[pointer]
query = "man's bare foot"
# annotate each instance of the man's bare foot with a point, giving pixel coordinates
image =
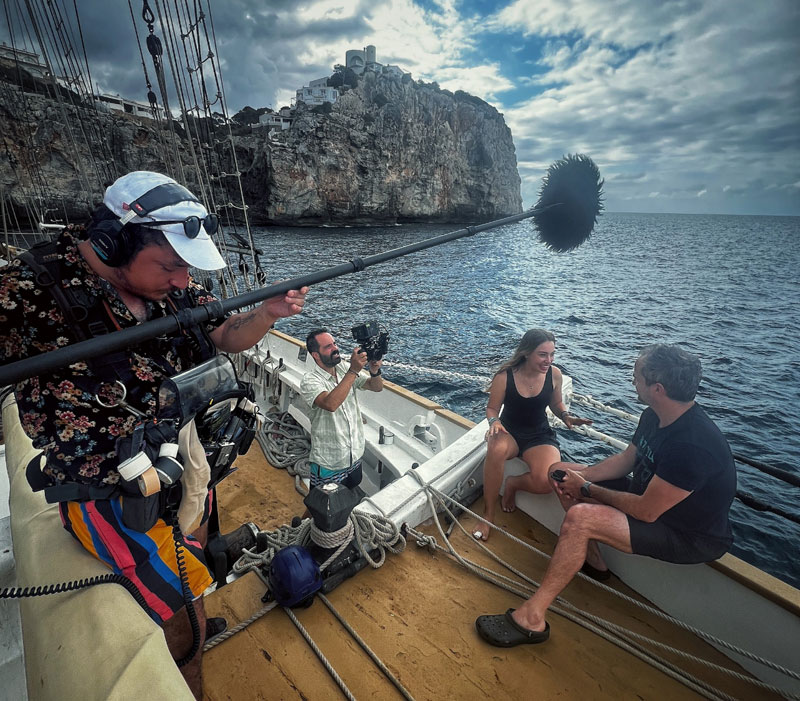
(481, 531)
(509, 496)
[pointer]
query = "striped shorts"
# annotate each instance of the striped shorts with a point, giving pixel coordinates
(349, 476)
(147, 559)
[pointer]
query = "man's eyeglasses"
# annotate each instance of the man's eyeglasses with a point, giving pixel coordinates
(191, 225)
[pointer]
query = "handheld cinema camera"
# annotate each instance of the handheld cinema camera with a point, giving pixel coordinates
(371, 340)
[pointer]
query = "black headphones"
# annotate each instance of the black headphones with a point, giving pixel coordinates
(109, 238)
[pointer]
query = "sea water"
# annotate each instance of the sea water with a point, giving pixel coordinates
(724, 287)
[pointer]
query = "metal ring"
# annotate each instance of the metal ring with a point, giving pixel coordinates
(116, 404)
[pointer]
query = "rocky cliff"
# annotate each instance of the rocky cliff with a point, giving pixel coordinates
(389, 150)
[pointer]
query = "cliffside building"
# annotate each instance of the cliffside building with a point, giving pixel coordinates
(361, 60)
(115, 103)
(317, 92)
(278, 121)
(27, 60)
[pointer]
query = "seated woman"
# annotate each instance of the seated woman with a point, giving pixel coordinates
(525, 386)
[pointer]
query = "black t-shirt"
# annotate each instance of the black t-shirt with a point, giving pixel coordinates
(692, 454)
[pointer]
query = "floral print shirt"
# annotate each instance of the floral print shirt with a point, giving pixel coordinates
(60, 410)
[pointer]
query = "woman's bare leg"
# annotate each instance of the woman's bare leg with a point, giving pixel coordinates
(501, 447)
(539, 458)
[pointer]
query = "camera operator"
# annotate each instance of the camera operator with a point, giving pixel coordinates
(337, 429)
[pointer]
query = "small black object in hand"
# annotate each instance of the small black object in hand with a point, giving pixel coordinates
(558, 475)
(371, 340)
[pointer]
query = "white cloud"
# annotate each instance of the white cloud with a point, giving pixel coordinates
(672, 89)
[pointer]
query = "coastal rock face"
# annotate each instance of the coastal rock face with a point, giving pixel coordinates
(389, 150)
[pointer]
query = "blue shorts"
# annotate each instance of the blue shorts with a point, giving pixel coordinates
(349, 477)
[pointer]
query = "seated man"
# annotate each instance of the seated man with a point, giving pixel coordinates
(675, 507)
(337, 430)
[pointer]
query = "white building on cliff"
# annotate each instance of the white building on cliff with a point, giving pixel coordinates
(316, 92)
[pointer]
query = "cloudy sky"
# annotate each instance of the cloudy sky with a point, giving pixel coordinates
(686, 105)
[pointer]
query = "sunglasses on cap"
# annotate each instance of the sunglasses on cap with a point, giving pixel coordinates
(191, 225)
(165, 195)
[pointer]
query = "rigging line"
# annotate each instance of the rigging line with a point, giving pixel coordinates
(26, 31)
(758, 505)
(203, 126)
(156, 53)
(32, 167)
(199, 125)
(57, 91)
(224, 105)
(202, 163)
(564, 608)
(73, 77)
(339, 681)
(151, 97)
(24, 102)
(63, 30)
(99, 137)
(497, 580)
(378, 662)
(599, 629)
(218, 144)
(61, 50)
(168, 32)
(587, 400)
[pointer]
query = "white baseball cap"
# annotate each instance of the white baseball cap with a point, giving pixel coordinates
(144, 197)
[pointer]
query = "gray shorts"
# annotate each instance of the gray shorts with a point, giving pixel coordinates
(664, 543)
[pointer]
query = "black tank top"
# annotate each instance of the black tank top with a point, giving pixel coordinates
(526, 413)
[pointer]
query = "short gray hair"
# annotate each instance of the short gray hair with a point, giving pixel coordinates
(678, 371)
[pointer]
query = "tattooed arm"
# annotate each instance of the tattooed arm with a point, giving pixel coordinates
(242, 331)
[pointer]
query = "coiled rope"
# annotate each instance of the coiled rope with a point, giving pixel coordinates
(286, 445)
(369, 532)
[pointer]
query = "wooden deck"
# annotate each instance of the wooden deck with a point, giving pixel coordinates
(417, 613)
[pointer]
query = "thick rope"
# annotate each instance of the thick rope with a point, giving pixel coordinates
(222, 637)
(319, 654)
(378, 662)
(369, 531)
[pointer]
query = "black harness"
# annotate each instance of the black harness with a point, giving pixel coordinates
(88, 317)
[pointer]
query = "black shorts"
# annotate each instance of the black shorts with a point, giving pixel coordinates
(529, 438)
(661, 542)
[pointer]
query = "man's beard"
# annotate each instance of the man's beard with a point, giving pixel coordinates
(331, 360)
